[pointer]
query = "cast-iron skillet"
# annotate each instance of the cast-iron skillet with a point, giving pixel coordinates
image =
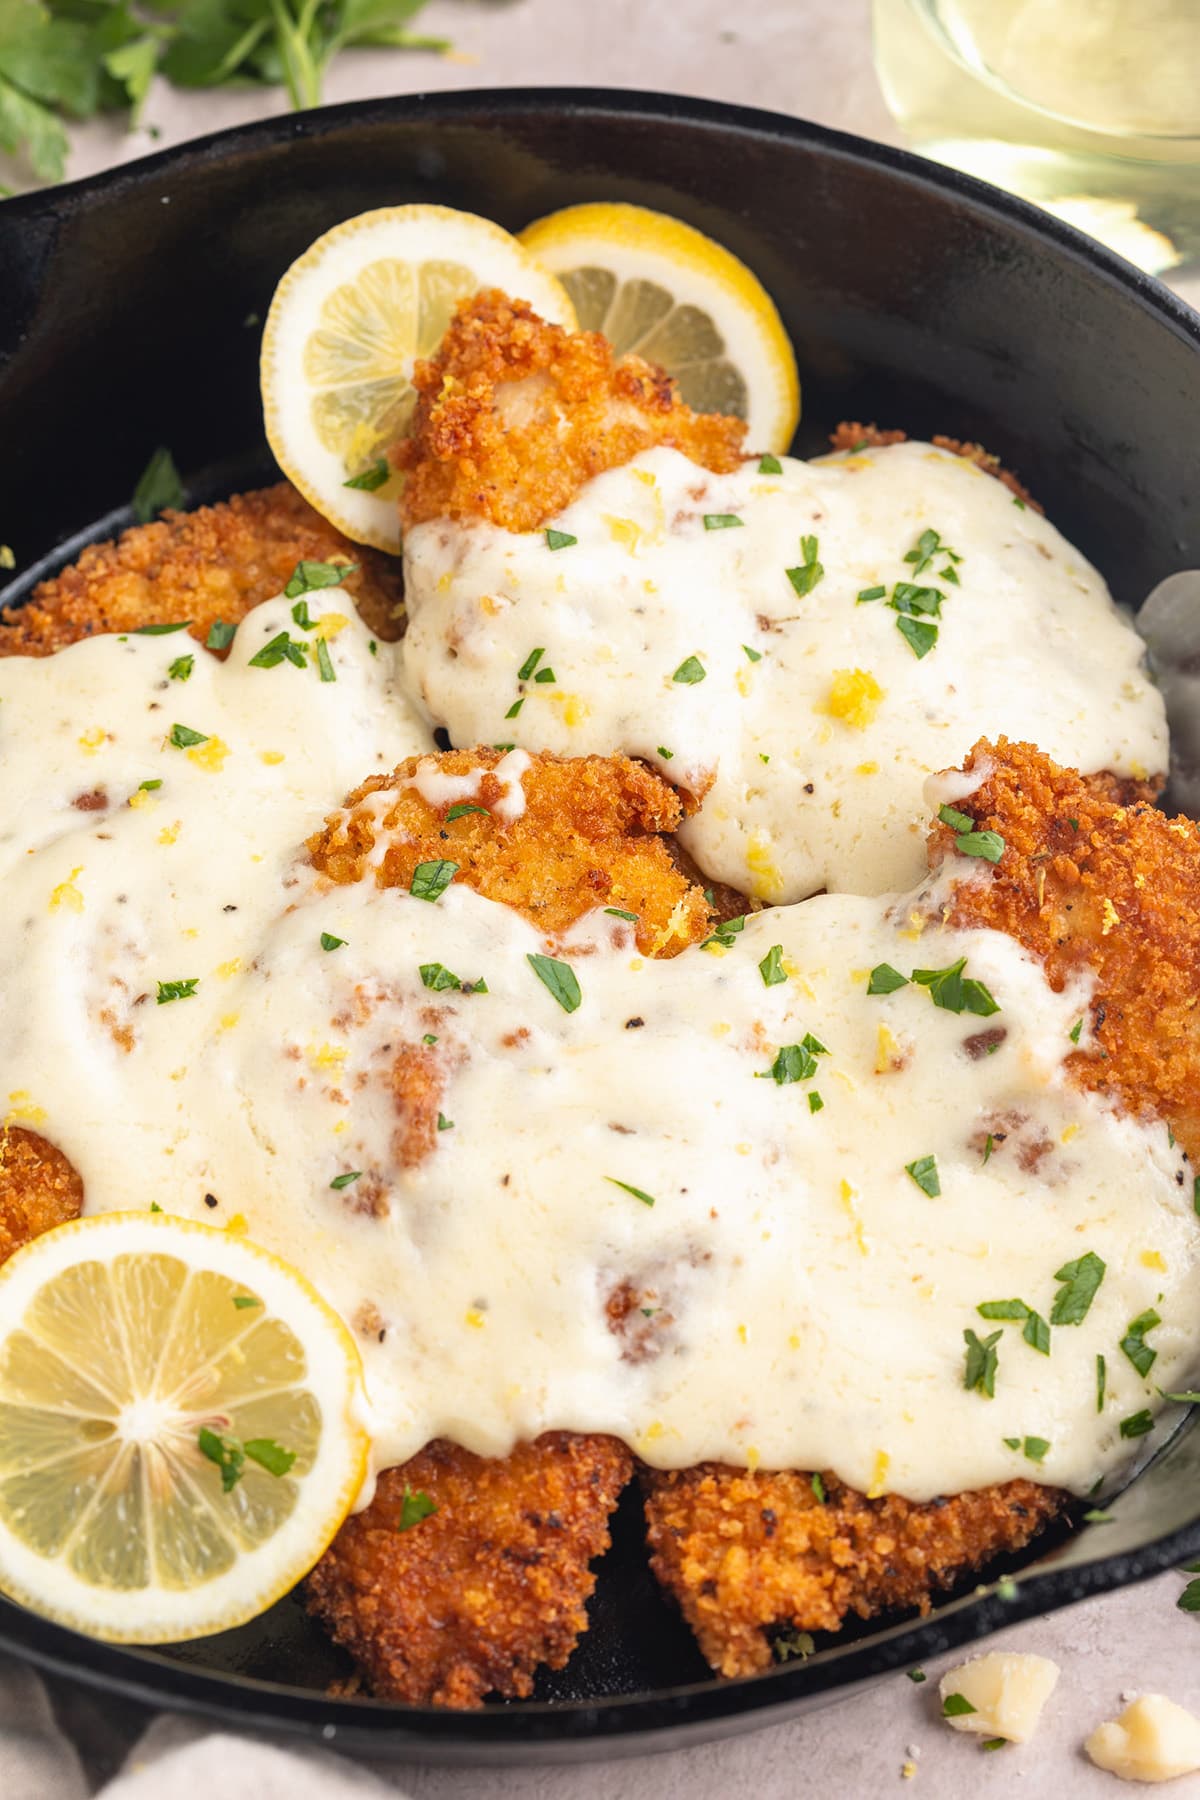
(914, 296)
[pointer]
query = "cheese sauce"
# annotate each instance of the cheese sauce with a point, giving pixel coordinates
(733, 1205)
(720, 627)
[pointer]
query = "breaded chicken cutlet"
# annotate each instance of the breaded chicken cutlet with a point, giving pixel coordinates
(514, 415)
(1088, 882)
(207, 566)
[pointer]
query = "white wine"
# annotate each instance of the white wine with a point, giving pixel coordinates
(1091, 108)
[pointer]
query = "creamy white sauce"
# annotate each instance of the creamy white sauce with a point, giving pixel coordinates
(817, 751)
(792, 1298)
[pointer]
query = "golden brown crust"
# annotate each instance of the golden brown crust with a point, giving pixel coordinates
(515, 415)
(214, 563)
(39, 1188)
(474, 1598)
(851, 435)
(1093, 881)
(585, 839)
(748, 1556)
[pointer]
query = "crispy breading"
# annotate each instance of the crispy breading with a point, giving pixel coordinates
(515, 415)
(750, 1556)
(586, 838)
(208, 565)
(1089, 883)
(851, 435)
(476, 1596)
(39, 1188)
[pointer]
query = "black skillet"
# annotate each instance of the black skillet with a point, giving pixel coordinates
(914, 297)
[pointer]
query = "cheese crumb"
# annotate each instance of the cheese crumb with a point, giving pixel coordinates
(854, 697)
(1007, 1691)
(1153, 1740)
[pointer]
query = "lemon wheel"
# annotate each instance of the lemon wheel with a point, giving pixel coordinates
(179, 1427)
(347, 323)
(655, 286)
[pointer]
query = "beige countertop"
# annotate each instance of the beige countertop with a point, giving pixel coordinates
(809, 57)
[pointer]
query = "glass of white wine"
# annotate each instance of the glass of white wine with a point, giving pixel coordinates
(1090, 108)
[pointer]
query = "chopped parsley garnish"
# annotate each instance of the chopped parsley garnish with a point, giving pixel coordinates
(668, 755)
(1075, 1030)
(269, 1455)
(988, 844)
(220, 635)
(1081, 1278)
(280, 649)
(618, 912)
(559, 978)
(559, 540)
(955, 1706)
(957, 821)
(181, 668)
(925, 1173)
(1097, 1516)
(815, 1102)
(1189, 1600)
(1137, 1424)
(461, 808)
(438, 977)
(949, 990)
(689, 672)
(413, 1508)
(771, 967)
(329, 942)
(996, 1743)
(725, 932)
(302, 617)
(177, 990)
(370, 479)
(343, 1181)
(160, 630)
(530, 664)
(545, 676)
(325, 662)
(1101, 1382)
(242, 1301)
(754, 655)
(818, 1488)
(919, 634)
(148, 787)
(158, 488)
(515, 709)
(806, 575)
(1036, 1448)
(183, 737)
(637, 1192)
(311, 577)
(917, 1675)
(870, 593)
(794, 1062)
(721, 521)
(988, 1146)
(770, 465)
(445, 1124)
(885, 980)
(1134, 1342)
(981, 1362)
(227, 1453)
(929, 545)
(429, 1038)
(431, 879)
(1189, 1397)
(1036, 1332)
(793, 1643)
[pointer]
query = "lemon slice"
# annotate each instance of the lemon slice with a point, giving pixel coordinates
(347, 322)
(655, 286)
(179, 1438)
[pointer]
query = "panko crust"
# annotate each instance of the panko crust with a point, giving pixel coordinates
(749, 1556)
(39, 1188)
(1090, 882)
(208, 565)
(475, 1597)
(514, 415)
(851, 435)
(586, 839)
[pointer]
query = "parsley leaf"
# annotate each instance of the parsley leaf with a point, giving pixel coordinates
(329, 942)
(311, 577)
(1081, 1279)
(227, 1453)
(955, 1706)
(461, 808)
(158, 488)
(343, 1181)
(1134, 1342)
(559, 978)
(770, 465)
(181, 668)
(981, 1362)
(413, 1508)
(885, 980)
(177, 990)
(220, 635)
(371, 478)
(689, 672)
(925, 1173)
(721, 521)
(269, 1455)
(638, 1193)
(1137, 1424)
(431, 879)
(280, 648)
(559, 540)
(771, 967)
